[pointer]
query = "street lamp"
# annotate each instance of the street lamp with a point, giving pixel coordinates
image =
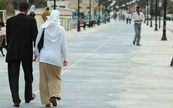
(137, 1)
(78, 27)
(90, 14)
(105, 12)
(106, 6)
(147, 13)
(160, 8)
(54, 4)
(99, 13)
(156, 17)
(164, 22)
(151, 12)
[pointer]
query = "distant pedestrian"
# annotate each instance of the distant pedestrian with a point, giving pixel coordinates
(31, 11)
(138, 18)
(120, 17)
(130, 18)
(2, 37)
(21, 33)
(2, 32)
(127, 18)
(45, 14)
(52, 55)
(123, 17)
(115, 16)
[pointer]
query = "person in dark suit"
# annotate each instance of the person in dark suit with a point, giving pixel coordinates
(21, 32)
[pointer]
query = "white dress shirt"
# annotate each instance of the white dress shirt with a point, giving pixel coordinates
(127, 15)
(53, 53)
(130, 16)
(138, 17)
(3, 31)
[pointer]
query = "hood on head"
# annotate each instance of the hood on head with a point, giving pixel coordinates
(52, 26)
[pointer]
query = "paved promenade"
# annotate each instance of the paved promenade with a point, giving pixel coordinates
(107, 71)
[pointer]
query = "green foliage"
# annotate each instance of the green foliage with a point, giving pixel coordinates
(170, 7)
(106, 3)
(2, 4)
(95, 11)
(40, 3)
(37, 3)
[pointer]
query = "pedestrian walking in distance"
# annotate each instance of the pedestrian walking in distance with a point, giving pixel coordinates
(138, 18)
(2, 37)
(45, 14)
(127, 18)
(21, 32)
(52, 55)
(31, 11)
(130, 18)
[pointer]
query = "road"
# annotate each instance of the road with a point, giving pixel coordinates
(107, 71)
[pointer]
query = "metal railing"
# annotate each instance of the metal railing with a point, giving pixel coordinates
(66, 23)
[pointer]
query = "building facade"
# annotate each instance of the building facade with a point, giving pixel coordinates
(73, 4)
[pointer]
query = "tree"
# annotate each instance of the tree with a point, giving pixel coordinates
(170, 7)
(2, 4)
(31, 1)
(37, 3)
(5, 6)
(106, 4)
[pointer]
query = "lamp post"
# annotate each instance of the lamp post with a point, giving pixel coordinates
(106, 6)
(164, 23)
(156, 17)
(151, 12)
(105, 12)
(54, 4)
(90, 10)
(139, 3)
(171, 62)
(160, 8)
(147, 13)
(78, 27)
(99, 13)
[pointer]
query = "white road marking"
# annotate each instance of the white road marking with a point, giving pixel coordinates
(80, 60)
(87, 55)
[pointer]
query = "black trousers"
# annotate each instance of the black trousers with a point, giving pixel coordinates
(13, 74)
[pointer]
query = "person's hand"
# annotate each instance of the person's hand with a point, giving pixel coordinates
(35, 57)
(65, 63)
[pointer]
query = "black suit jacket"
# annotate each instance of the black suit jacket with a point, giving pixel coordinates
(21, 32)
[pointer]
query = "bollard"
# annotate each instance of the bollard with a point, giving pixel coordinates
(171, 62)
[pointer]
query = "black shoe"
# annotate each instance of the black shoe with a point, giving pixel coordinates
(33, 97)
(48, 105)
(133, 43)
(53, 101)
(16, 105)
(138, 44)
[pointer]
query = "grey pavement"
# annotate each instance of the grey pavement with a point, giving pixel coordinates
(170, 26)
(107, 71)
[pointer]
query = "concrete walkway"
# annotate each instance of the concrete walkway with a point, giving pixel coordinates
(107, 71)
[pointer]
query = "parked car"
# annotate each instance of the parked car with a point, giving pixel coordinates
(169, 17)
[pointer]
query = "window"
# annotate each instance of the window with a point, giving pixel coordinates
(61, 6)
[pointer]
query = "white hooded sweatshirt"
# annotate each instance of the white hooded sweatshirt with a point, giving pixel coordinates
(54, 50)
